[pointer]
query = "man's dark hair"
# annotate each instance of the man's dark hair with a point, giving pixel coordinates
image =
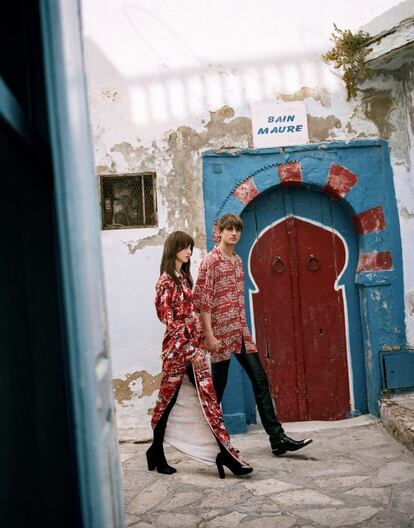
(228, 221)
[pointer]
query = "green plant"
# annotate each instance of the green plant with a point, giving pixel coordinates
(349, 54)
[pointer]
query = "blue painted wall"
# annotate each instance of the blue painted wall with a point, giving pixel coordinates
(381, 293)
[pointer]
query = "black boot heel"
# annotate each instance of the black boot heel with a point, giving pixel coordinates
(219, 465)
(156, 460)
(150, 462)
(225, 459)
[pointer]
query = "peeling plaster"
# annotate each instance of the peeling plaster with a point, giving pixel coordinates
(391, 348)
(183, 190)
(383, 106)
(110, 94)
(106, 169)
(178, 168)
(130, 157)
(319, 94)
(154, 240)
(377, 106)
(320, 127)
(350, 129)
(124, 392)
(134, 156)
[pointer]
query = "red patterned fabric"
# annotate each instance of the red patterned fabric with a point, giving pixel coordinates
(183, 335)
(219, 290)
(181, 342)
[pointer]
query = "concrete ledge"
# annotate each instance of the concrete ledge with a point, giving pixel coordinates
(397, 416)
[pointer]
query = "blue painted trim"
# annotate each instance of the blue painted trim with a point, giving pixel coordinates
(375, 241)
(283, 151)
(373, 278)
(81, 264)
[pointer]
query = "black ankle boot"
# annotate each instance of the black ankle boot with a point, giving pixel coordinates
(225, 459)
(156, 460)
(284, 444)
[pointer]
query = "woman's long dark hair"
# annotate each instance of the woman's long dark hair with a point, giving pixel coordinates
(175, 243)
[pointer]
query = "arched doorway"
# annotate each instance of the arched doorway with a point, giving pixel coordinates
(355, 178)
(301, 268)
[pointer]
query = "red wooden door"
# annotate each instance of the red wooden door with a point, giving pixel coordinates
(299, 319)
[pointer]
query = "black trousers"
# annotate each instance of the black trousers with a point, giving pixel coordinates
(253, 368)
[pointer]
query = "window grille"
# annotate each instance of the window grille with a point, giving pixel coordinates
(128, 200)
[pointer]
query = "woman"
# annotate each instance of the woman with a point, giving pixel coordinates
(186, 389)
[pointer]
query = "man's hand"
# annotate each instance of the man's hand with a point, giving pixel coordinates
(212, 344)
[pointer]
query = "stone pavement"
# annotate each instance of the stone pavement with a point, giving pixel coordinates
(354, 474)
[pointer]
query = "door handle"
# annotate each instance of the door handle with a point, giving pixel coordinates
(313, 263)
(278, 265)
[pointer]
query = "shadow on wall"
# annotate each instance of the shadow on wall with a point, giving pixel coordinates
(184, 93)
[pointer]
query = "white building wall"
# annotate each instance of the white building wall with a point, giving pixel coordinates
(170, 80)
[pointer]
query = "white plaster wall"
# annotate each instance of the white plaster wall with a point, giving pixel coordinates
(404, 183)
(153, 67)
(133, 324)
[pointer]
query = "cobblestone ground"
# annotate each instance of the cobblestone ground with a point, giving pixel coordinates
(350, 476)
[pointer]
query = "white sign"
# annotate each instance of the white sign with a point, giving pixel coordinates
(279, 124)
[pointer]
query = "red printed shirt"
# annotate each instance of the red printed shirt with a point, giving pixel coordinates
(219, 290)
(175, 309)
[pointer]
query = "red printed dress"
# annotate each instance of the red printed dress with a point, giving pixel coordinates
(219, 290)
(195, 414)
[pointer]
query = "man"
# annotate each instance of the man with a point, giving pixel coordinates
(219, 297)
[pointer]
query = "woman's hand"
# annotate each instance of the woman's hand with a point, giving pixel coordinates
(212, 344)
(199, 361)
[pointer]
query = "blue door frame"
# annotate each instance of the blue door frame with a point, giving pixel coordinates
(97, 457)
(357, 174)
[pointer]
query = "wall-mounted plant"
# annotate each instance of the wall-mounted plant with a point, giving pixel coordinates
(348, 54)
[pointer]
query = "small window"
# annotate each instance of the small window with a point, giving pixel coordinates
(128, 200)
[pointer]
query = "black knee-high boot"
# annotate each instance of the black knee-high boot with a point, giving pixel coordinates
(155, 454)
(223, 457)
(253, 367)
(279, 441)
